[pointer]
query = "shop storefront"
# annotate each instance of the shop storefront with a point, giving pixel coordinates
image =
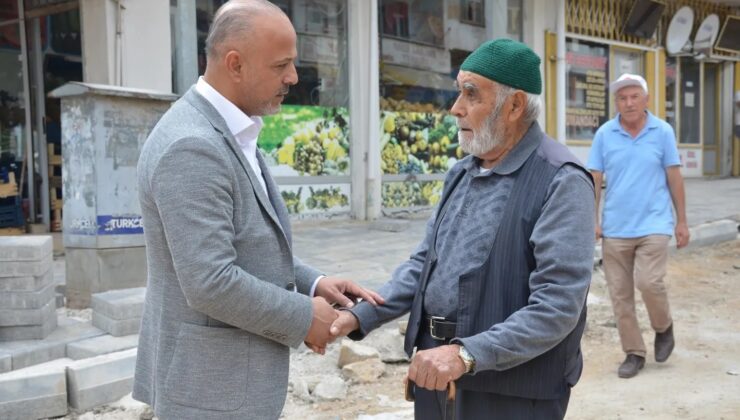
(366, 132)
(691, 87)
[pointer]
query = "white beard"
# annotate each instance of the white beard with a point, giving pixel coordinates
(487, 137)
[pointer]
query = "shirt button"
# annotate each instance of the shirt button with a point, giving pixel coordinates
(290, 286)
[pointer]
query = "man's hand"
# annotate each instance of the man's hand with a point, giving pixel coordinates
(345, 292)
(682, 235)
(344, 324)
(318, 334)
(433, 369)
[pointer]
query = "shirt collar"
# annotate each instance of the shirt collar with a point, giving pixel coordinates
(236, 120)
(516, 156)
(650, 123)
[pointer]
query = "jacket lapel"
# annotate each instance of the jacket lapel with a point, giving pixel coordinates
(218, 123)
(275, 197)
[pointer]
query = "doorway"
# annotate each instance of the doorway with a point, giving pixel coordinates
(40, 50)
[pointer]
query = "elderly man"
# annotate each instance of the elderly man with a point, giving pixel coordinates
(497, 288)
(221, 308)
(638, 154)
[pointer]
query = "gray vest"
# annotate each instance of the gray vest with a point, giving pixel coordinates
(500, 287)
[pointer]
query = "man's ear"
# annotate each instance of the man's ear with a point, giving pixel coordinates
(233, 61)
(517, 105)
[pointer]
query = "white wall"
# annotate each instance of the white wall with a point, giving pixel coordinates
(140, 57)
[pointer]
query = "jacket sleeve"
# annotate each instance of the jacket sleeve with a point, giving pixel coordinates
(563, 242)
(192, 187)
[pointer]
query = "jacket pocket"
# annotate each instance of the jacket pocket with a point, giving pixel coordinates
(209, 368)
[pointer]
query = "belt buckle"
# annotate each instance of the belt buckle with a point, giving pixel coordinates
(432, 319)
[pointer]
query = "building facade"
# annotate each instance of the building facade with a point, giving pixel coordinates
(366, 131)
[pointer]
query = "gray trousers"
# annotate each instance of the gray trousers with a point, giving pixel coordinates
(472, 405)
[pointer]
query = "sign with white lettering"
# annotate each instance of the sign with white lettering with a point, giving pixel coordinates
(120, 225)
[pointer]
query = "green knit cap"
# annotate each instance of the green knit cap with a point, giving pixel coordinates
(508, 62)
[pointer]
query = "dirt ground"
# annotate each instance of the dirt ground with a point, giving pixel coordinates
(700, 380)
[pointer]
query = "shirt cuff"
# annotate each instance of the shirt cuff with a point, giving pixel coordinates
(313, 287)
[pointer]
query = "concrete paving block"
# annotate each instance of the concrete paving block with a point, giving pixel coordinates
(34, 393)
(24, 317)
(116, 327)
(120, 304)
(6, 362)
(103, 344)
(99, 380)
(29, 332)
(26, 283)
(25, 248)
(26, 268)
(32, 352)
(27, 299)
(711, 233)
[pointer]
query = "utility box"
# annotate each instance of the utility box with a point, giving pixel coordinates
(103, 131)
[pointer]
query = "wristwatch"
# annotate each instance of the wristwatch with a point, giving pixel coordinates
(467, 359)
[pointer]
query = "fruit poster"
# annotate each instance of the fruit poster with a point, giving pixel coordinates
(306, 140)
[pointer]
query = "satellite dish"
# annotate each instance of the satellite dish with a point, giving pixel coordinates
(706, 35)
(679, 31)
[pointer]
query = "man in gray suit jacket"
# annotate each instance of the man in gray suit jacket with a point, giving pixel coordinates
(496, 290)
(221, 308)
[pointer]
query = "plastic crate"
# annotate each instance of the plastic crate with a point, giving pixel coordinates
(11, 213)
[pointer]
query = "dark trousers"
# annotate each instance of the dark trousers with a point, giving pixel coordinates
(472, 405)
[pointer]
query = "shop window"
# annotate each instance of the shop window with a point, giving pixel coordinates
(514, 19)
(587, 93)
(689, 96)
(472, 11)
(308, 140)
(418, 21)
(395, 19)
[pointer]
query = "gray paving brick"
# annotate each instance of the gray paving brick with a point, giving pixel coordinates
(25, 248)
(29, 332)
(99, 380)
(26, 268)
(6, 362)
(103, 344)
(25, 317)
(27, 300)
(116, 327)
(32, 352)
(36, 392)
(26, 283)
(120, 304)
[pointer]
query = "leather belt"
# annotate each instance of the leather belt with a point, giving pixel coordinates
(440, 329)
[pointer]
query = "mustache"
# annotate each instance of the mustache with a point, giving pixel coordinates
(284, 91)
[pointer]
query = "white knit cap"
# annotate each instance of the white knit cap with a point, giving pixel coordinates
(628, 79)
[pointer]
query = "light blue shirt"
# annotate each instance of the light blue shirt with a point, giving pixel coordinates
(637, 201)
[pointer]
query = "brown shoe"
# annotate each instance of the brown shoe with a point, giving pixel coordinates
(631, 365)
(664, 344)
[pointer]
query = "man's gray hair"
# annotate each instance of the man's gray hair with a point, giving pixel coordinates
(234, 20)
(532, 109)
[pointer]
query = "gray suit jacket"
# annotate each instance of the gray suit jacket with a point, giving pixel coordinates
(220, 309)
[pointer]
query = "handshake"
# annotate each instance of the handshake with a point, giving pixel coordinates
(329, 323)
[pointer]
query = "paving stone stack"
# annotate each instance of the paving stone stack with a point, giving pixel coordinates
(118, 312)
(27, 295)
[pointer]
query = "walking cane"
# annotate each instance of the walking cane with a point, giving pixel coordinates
(449, 401)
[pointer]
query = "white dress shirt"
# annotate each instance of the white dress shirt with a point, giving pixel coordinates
(244, 128)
